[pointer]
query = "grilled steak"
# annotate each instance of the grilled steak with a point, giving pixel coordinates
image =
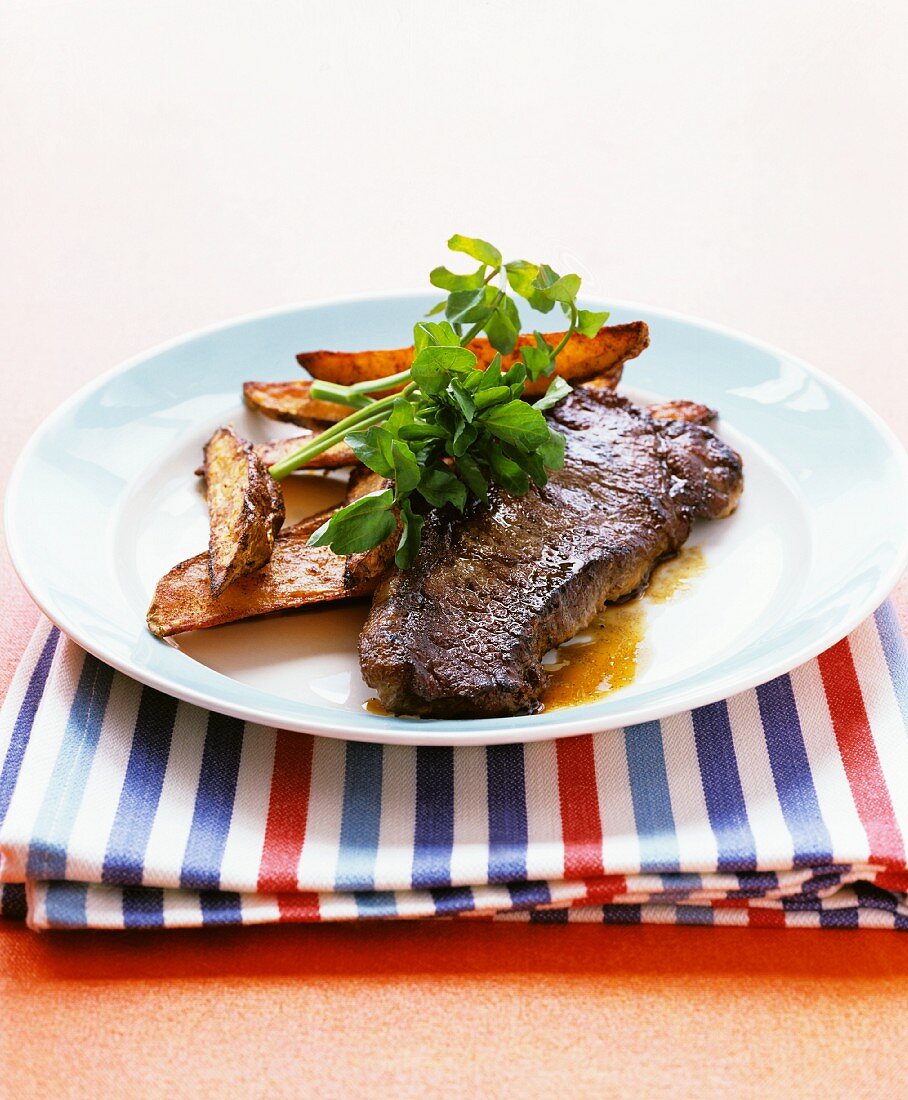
(461, 633)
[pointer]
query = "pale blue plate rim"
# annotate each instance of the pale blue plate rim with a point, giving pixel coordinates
(173, 672)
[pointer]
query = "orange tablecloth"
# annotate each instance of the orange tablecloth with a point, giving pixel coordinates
(400, 1009)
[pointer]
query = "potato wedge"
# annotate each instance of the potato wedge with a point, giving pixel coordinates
(348, 367)
(363, 481)
(277, 449)
(583, 357)
(333, 459)
(290, 402)
(296, 576)
(601, 355)
(245, 509)
(305, 527)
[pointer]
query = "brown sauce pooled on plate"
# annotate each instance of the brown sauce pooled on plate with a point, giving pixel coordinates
(603, 657)
(673, 577)
(374, 706)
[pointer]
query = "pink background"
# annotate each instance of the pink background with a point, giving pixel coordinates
(168, 165)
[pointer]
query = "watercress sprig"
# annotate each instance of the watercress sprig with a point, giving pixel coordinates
(453, 428)
(473, 300)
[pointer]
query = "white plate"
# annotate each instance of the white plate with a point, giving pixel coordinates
(103, 500)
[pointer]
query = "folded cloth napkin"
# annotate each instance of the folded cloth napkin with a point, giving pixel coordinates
(783, 806)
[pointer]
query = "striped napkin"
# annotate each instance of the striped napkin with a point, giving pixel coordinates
(783, 806)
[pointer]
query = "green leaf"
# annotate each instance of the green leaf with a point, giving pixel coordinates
(456, 359)
(461, 399)
(532, 464)
(537, 360)
(564, 289)
(501, 332)
(437, 308)
(402, 412)
(537, 471)
(589, 323)
(467, 306)
(464, 437)
(520, 275)
(421, 338)
(491, 376)
(510, 307)
(410, 538)
(540, 302)
(517, 423)
(501, 328)
(557, 391)
(445, 417)
(493, 395)
(360, 526)
(552, 452)
(433, 366)
(546, 277)
(445, 335)
(430, 333)
(406, 470)
(428, 375)
(539, 299)
(516, 377)
(419, 431)
(373, 448)
(450, 280)
(480, 250)
(506, 472)
(469, 471)
(439, 486)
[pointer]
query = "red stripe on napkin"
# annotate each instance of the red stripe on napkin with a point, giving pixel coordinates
(288, 810)
(766, 918)
(299, 907)
(581, 826)
(859, 755)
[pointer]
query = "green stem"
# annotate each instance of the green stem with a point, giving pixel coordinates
(376, 385)
(570, 332)
(364, 418)
(338, 395)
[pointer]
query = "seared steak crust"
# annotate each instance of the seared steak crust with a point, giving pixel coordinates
(462, 632)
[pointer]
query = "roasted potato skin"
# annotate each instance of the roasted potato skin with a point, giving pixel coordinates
(335, 458)
(297, 575)
(347, 367)
(245, 509)
(291, 403)
(582, 358)
(363, 481)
